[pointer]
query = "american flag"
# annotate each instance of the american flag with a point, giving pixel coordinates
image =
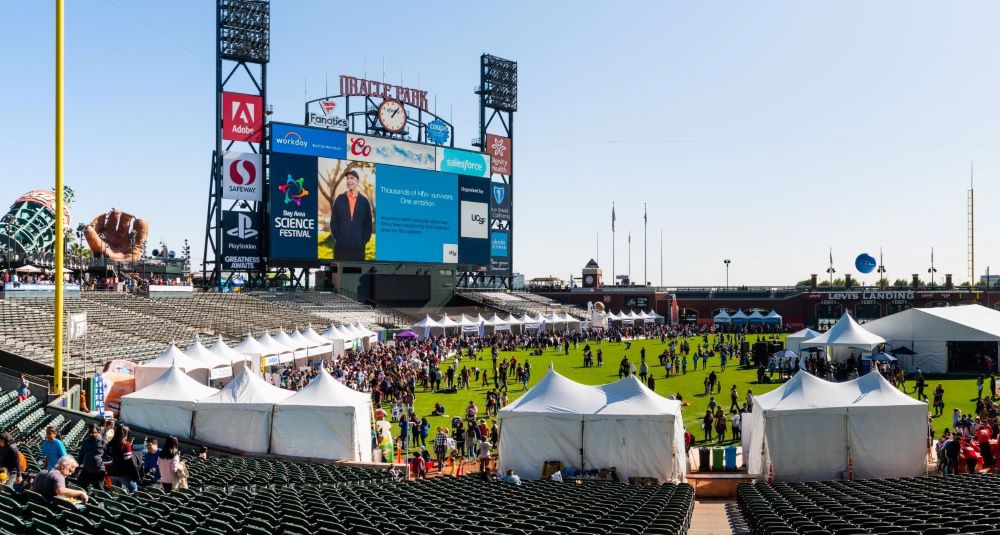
(645, 215)
(613, 217)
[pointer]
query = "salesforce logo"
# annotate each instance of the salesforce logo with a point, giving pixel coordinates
(462, 162)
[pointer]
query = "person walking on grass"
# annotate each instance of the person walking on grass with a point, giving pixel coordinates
(720, 424)
(706, 424)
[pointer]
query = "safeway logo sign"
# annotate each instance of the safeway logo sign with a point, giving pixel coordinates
(242, 174)
(499, 149)
(242, 117)
(244, 228)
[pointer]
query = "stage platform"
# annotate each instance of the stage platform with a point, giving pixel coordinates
(717, 485)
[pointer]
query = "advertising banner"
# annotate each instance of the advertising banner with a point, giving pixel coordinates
(293, 205)
(241, 241)
(242, 117)
(500, 151)
(242, 176)
(297, 139)
(326, 114)
(417, 216)
(473, 217)
(500, 202)
(463, 162)
(500, 252)
(390, 152)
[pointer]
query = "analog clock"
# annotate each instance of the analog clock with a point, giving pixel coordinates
(589, 279)
(392, 115)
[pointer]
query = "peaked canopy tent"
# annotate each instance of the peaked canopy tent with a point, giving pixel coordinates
(498, 324)
(773, 318)
(314, 349)
(529, 323)
(945, 339)
(239, 415)
(739, 317)
(468, 324)
(756, 318)
(250, 347)
(324, 420)
(809, 429)
(845, 337)
(237, 360)
(572, 323)
(621, 424)
(299, 350)
(722, 318)
(218, 368)
(148, 372)
(794, 341)
(658, 318)
(166, 405)
(283, 352)
(425, 325)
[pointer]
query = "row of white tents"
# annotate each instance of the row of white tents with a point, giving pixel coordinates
(755, 317)
(324, 420)
(633, 316)
(220, 362)
(480, 325)
(622, 424)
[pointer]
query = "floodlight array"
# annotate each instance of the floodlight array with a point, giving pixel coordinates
(246, 30)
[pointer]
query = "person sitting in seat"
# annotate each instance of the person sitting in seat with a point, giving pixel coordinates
(511, 478)
(52, 483)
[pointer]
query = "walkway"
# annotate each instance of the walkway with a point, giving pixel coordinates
(716, 517)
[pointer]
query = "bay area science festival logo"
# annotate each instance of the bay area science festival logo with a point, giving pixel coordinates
(294, 190)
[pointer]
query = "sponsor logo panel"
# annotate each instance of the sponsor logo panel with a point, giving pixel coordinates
(242, 117)
(242, 176)
(463, 162)
(390, 152)
(500, 151)
(320, 142)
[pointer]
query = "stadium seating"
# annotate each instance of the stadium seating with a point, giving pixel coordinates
(129, 327)
(446, 506)
(518, 303)
(930, 505)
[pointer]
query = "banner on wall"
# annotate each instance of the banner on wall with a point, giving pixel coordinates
(380, 150)
(463, 162)
(417, 216)
(293, 204)
(474, 219)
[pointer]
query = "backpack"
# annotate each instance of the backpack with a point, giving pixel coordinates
(22, 462)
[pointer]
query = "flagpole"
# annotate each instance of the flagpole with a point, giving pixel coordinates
(613, 279)
(661, 257)
(645, 224)
(630, 257)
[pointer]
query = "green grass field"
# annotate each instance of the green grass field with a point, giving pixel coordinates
(959, 392)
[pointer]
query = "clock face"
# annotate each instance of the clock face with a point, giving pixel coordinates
(589, 279)
(392, 115)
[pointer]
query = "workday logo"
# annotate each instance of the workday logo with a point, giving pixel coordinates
(294, 190)
(291, 138)
(244, 228)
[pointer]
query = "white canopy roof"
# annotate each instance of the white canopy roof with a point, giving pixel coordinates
(223, 351)
(622, 424)
(755, 315)
(166, 405)
(552, 317)
(363, 330)
(511, 320)
(428, 321)
(314, 336)
(312, 346)
(448, 322)
(325, 420)
(201, 354)
(250, 346)
(654, 314)
(722, 317)
(239, 415)
(739, 315)
(147, 372)
(275, 347)
(527, 320)
(282, 337)
(773, 315)
(480, 320)
(335, 333)
(927, 332)
(497, 320)
(466, 321)
(846, 333)
(809, 428)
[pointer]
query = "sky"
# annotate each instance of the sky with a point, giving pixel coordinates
(764, 132)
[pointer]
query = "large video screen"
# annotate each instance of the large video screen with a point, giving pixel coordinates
(336, 196)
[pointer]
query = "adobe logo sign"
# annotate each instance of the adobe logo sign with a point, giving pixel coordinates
(499, 149)
(242, 176)
(242, 117)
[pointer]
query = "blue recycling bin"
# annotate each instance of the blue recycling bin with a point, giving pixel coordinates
(730, 454)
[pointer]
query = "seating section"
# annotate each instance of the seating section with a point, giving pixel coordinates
(129, 327)
(518, 303)
(446, 506)
(230, 471)
(335, 307)
(930, 505)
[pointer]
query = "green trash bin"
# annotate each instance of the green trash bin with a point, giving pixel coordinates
(718, 459)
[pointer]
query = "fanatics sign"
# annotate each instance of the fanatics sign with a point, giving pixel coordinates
(242, 117)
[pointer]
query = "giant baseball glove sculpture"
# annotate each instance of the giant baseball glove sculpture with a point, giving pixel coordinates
(117, 235)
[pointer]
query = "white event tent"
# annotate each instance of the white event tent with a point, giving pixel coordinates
(794, 340)
(844, 338)
(239, 415)
(314, 348)
(299, 350)
(324, 420)
(148, 372)
(253, 349)
(933, 332)
(809, 429)
(426, 324)
(621, 424)
(275, 347)
(722, 317)
(238, 360)
(218, 368)
(166, 405)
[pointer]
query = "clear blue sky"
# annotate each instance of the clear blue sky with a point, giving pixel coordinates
(765, 132)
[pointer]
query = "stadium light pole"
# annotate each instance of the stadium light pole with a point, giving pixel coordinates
(727, 262)
(57, 346)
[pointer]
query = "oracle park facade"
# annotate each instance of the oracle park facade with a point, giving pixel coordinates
(814, 306)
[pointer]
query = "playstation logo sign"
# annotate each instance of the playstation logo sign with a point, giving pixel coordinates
(244, 228)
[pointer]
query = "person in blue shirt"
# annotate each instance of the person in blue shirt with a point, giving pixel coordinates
(52, 448)
(149, 465)
(511, 478)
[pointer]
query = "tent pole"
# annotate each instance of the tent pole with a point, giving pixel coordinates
(583, 465)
